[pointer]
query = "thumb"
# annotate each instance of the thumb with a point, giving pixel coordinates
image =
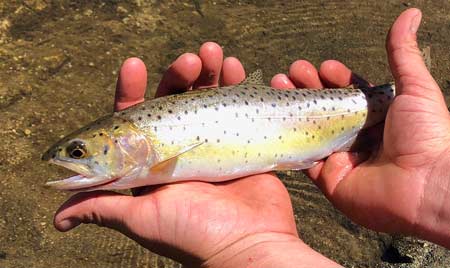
(405, 58)
(99, 207)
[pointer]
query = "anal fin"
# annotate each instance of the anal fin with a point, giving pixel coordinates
(294, 165)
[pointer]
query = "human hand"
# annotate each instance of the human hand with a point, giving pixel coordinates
(247, 222)
(404, 186)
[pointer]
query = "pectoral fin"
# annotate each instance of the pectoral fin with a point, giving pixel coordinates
(168, 162)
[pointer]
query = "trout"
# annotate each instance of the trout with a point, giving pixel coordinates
(217, 135)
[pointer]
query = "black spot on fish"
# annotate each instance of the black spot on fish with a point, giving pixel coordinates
(274, 105)
(159, 117)
(315, 101)
(206, 140)
(101, 134)
(306, 133)
(93, 136)
(160, 108)
(170, 111)
(342, 128)
(149, 115)
(246, 102)
(178, 117)
(205, 106)
(116, 141)
(96, 162)
(116, 127)
(279, 137)
(105, 149)
(198, 138)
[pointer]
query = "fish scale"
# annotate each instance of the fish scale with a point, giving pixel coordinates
(229, 132)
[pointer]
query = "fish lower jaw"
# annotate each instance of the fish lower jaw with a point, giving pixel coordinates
(80, 183)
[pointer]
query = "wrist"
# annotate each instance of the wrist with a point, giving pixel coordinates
(433, 218)
(269, 250)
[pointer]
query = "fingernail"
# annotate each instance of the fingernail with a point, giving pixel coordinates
(66, 225)
(415, 22)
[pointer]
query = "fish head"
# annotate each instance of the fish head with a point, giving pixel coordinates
(101, 153)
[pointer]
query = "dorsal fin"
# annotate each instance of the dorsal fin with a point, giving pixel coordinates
(255, 78)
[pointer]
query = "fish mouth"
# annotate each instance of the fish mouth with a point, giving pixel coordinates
(80, 183)
(85, 181)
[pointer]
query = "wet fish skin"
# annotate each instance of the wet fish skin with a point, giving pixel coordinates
(222, 134)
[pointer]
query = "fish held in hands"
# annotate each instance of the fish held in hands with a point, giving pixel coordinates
(217, 135)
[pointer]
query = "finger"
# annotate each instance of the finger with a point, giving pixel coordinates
(100, 207)
(328, 174)
(405, 59)
(335, 74)
(180, 75)
(211, 55)
(304, 75)
(131, 84)
(281, 81)
(232, 72)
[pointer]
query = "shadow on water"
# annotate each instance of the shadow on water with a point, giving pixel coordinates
(58, 65)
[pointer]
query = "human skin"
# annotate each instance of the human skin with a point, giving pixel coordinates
(249, 222)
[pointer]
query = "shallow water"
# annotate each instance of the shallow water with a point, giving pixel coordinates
(58, 65)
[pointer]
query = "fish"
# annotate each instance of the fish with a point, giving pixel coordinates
(216, 135)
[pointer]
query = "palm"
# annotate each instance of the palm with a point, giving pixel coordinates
(397, 173)
(209, 217)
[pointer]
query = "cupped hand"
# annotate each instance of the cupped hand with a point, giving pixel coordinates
(193, 222)
(404, 186)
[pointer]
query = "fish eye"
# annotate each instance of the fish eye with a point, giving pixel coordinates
(77, 150)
